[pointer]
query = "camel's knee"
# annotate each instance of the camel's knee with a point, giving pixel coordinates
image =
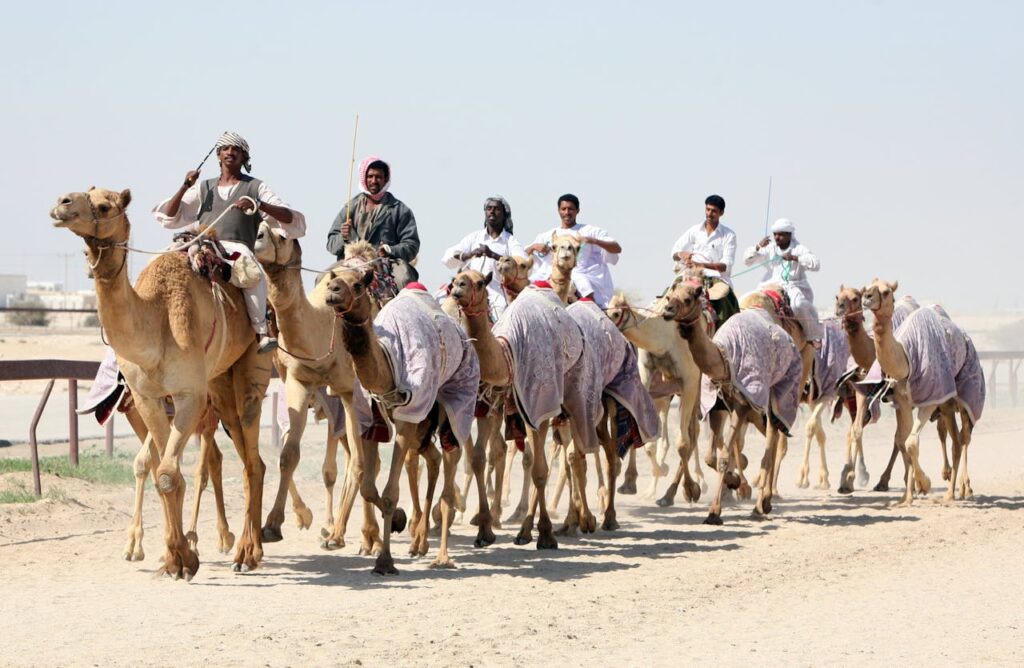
(140, 467)
(289, 458)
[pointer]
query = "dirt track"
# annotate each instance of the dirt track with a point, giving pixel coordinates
(828, 579)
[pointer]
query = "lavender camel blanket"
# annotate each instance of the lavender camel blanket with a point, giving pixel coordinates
(432, 361)
(943, 362)
(832, 360)
(764, 363)
(546, 346)
(617, 373)
(900, 311)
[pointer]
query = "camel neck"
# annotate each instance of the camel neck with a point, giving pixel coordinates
(706, 354)
(861, 347)
(300, 321)
(122, 313)
(891, 356)
(561, 280)
(368, 359)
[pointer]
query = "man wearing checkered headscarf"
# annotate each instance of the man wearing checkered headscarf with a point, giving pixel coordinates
(225, 200)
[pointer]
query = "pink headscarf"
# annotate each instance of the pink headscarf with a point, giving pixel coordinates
(363, 166)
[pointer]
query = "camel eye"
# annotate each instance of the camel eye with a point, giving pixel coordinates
(103, 208)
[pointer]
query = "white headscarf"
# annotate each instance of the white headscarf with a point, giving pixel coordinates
(783, 225)
(236, 140)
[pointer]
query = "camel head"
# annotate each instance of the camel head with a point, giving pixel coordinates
(848, 304)
(515, 270)
(348, 292)
(273, 250)
(683, 302)
(620, 311)
(469, 290)
(96, 214)
(774, 301)
(880, 297)
(360, 250)
(566, 249)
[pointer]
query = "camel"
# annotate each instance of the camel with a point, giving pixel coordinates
(765, 393)
(935, 368)
(469, 292)
(862, 350)
(312, 356)
(198, 342)
(565, 249)
(669, 355)
(415, 400)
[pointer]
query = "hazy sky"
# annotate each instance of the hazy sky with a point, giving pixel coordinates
(892, 130)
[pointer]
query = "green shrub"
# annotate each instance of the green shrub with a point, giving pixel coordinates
(28, 318)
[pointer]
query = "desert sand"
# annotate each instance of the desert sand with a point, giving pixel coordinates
(847, 580)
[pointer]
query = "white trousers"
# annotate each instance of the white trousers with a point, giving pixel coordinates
(802, 302)
(256, 296)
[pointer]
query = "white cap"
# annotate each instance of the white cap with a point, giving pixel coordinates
(783, 225)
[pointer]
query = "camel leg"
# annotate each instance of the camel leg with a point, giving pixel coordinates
(539, 476)
(764, 500)
(966, 429)
(180, 561)
(883, 482)
(698, 475)
(329, 473)
(557, 453)
(482, 519)
(948, 420)
(803, 477)
(468, 474)
(721, 463)
(412, 473)
(506, 491)
(854, 446)
(354, 451)
(587, 523)
(602, 489)
(447, 503)
(912, 448)
(141, 466)
(202, 476)
(215, 466)
(394, 518)
(298, 395)
(497, 452)
(521, 510)
(611, 456)
(940, 427)
(420, 545)
(631, 474)
(781, 448)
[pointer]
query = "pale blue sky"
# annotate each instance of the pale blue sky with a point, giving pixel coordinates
(891, 129)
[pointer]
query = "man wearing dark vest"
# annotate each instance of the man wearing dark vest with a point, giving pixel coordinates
(200, 204)
(379, 217)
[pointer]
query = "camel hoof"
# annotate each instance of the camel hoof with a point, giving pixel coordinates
(325, 532)
(227, 542)
(882, 486)
(331, 544)
(304, 518)
(665, 501)
(588, 523)
(757, 515)
(926, 484)
(523, 538)
(691, 492)
(714, 519)
(609, 524)
(547, 542)
(627, 487)
(442, 564)
(272, 534)
(802, 483)
(822, 485)
(398, 521)
(732, 479)
(385, 566)
(946, 472)
(844, 489)
(766, 506)
(744, 492)
(484, 537)
(188, 575)
(862, 477)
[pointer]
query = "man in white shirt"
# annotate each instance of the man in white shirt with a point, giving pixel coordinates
(591, 275)
(481, 250)
(787, 262)
(200, 203)
(711, 246)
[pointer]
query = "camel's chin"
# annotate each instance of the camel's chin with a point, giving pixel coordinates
(62, 219)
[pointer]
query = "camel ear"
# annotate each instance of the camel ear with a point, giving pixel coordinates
(554, 237)
(841, 287)
(91, 188)
(126, 197)
(529, 262)
(367, 278)
(895, 284)
(488, 277)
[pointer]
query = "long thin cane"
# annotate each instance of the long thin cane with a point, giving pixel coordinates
(351, 171)
(767, 210)
(207, 157)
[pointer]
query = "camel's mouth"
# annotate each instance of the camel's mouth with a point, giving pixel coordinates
(62, 216)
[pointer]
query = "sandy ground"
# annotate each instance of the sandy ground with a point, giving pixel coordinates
(829, 579)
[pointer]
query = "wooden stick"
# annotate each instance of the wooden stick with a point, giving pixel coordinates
(351, 171)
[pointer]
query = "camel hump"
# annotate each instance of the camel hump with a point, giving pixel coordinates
(170, 279)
